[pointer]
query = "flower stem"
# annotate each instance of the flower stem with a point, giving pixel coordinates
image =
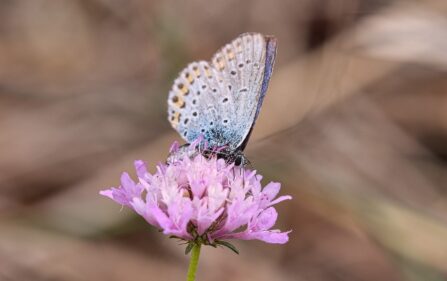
(194, 262)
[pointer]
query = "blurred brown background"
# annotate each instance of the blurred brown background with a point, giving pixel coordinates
(354, 125)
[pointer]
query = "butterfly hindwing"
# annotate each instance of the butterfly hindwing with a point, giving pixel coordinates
(221, 99)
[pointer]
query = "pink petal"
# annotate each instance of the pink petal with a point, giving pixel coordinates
(160, 217)
(198, 186)
(271, 190)
(141, 208)
(272, 237)
(126, 182)
(107, 193)
(266, 219)
(280, 199)
(141, 169)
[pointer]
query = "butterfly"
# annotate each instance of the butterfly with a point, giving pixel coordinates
(220, 100)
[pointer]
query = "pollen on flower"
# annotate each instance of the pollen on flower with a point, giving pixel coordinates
(203, 199)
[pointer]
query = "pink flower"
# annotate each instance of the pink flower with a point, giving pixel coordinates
(204, 200)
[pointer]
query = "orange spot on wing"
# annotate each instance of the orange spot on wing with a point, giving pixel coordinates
(175, 119)
(178, 101)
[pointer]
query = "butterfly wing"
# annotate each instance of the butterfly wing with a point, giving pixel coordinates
(221, 99)
(270, 52)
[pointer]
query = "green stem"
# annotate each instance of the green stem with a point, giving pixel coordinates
(194, 262)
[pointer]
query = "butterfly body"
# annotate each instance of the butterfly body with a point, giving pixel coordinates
(231, 156)
(220, 100)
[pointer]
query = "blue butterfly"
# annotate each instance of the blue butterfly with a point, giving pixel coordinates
(221, 100)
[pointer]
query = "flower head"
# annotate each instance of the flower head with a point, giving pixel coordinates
(204, 200)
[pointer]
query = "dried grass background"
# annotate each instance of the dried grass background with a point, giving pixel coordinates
(354, 124)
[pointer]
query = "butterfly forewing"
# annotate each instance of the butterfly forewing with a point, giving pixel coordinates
(221, 99)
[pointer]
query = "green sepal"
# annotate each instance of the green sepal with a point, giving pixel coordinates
(189, 247)
(228, 245)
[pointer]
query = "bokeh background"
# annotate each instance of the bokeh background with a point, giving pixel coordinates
(354, 125)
